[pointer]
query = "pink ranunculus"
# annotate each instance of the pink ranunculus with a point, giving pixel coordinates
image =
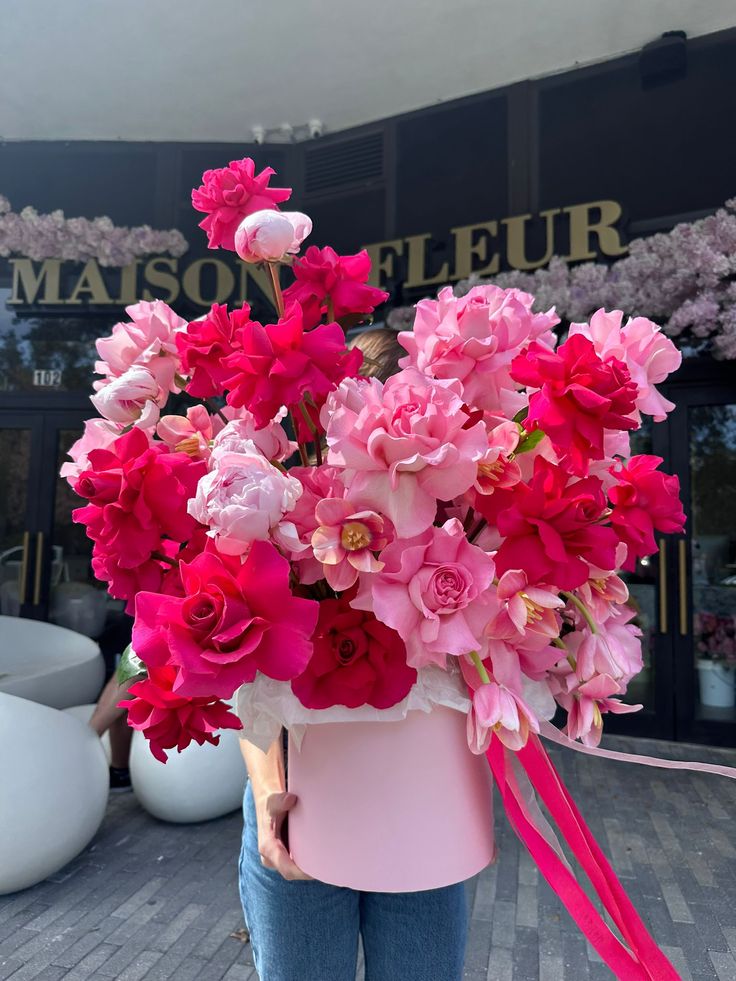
(98, 435)
(204, 345)
(474, 339)
(404, 445)
(149, 336)
(279, 364)
(137, 396)
(229, 194)
(244, 499)
(234, 619)
(499, 711)
(433, 591)
(357, 660)
(644, 500)
(191, 434)
(649, 355)
(169, 721)
(267, 236)
(579, 397)
(345, 540)
(271, 440)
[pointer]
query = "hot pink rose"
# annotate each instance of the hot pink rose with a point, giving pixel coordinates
(644, 349)
(244, 499)
(149, 336)
(357, 660)
(234, 620)
(404, 445)
(474, 339)
(137, 396)
(98, 435)
(204, 345)
(169, 721)
(267, 236)
(228, 194)
(345, 540)
(432, 590)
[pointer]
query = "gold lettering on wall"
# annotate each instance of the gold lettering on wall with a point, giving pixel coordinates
(516, 240)
(224, 282)
(90, 286)
(27, 282)
(583, 227)
(416, 267)
(128, 284)
(474, 241)
(156, 275)
(384, 264)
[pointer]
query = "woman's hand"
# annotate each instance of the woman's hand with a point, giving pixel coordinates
(271, 811)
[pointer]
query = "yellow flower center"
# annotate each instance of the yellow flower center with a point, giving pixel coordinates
(354, 536)
(189, 445)
(490, 471)
(533, 611)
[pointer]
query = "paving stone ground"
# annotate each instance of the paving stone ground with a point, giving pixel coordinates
(149, 901)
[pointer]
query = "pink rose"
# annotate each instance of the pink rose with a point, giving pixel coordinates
(271, 440)
(98, 435)
(267, 236)
(404, 445)
(150, 335)
(474, 339)
(644, 349)
(137, 396)
(432, 591)
(243, 499)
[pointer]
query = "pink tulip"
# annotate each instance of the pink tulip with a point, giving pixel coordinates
(497, 710)
(267, 236)
(345, 541)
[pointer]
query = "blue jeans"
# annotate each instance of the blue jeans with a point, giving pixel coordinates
(308, 931)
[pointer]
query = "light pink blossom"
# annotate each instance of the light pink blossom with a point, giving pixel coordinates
(527, 613)
(271, 440)
(243, 499)
(433, 590)
(499, 711)
(137, 396)
(587, 705)
(404, 445)
(191, 434)
(150, 334)
(267, 236)
(98, 435)
(345, 540)
(318, 483)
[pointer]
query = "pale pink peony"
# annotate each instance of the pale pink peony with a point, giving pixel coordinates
(244, 499)
(433, 590)
(644, 349)
(98, 435)
(474, 339)
(137, 396)
(404, 445)
(499, 711)
(267, 236)
(271, 440)
(345, 540)
(149, 335)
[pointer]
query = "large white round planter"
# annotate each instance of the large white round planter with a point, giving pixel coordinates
(84, 713)
(198, 784)
(48, 664)
(716, 684)
(53, 790)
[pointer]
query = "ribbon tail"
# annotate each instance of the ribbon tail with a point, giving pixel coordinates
(624, 964)
(541, 771)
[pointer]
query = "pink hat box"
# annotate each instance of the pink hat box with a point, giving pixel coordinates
(391, 806)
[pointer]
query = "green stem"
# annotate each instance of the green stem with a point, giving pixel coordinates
(586, 614)
(480, 667)
(273, 272)
(217, 411)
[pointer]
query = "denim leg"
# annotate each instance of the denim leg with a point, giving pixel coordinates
(414, 936)
(299, 931)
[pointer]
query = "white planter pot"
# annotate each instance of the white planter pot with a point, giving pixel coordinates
(716, 684)
(53, 790)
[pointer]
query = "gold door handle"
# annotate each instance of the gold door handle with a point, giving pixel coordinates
(39, 569)
(663, 585)
(24, 568)
(682, 562)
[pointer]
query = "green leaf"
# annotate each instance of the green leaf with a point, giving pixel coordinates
(530, 441)
(521, 414)
(130, 666)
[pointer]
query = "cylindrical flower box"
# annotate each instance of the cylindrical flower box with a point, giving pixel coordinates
(716, 684)
(391, 806)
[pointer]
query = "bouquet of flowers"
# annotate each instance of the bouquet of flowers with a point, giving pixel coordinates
(341, 541)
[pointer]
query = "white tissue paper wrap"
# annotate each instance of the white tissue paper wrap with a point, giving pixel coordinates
(265, 706)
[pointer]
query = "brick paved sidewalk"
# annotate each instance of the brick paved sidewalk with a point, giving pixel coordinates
(153, 901)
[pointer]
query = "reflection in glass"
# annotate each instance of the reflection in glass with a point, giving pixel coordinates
(713, 559)
(15, 453)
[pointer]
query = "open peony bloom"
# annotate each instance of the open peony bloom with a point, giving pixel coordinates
(433, 590)
(357, 660)
(228, 194)
(404, 445)
(137, 396)
(649, 355)
(244, 499)
(345, 540)
(267, 236)
(499, 711)
(169, 721)
(150, 335)
(233, 620)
